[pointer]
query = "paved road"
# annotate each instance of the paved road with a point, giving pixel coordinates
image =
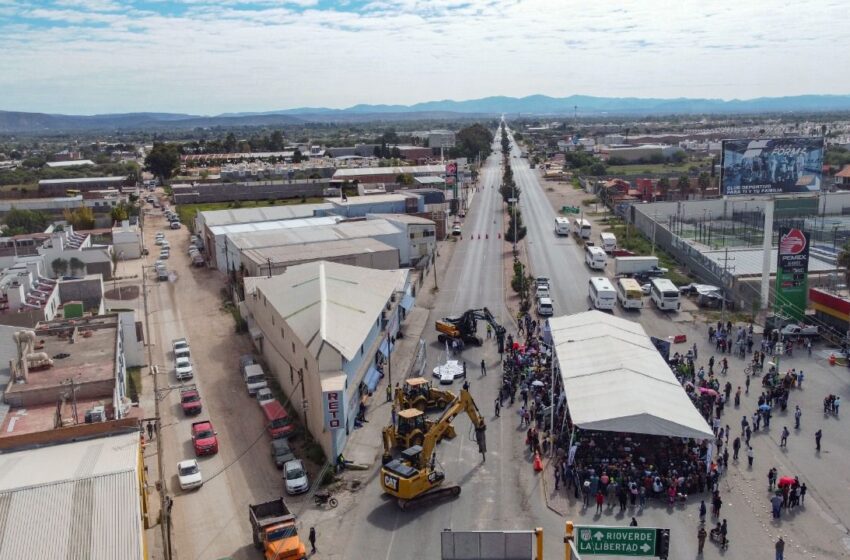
(559, 258)
(494, 495)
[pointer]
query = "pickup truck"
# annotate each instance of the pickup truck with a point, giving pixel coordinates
(180, 347)
(204, 438)
(808, 331)
(190, 401)
(275, 531)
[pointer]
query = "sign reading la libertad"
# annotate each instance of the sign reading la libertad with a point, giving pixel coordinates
(623, 541)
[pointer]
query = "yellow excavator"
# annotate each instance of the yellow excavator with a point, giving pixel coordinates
(464, 328)
(411, 427)
(413, 478)
(418, 393)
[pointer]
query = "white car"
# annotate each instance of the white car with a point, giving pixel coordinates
(175, 225)
(189, 474)
(295, 477)
(160, 240)
(183, 368)
(164, 254)
(264, 395)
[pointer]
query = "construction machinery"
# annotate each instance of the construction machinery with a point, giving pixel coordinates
(413, 478)
(418, 393)
(465, 326)
(410, 429)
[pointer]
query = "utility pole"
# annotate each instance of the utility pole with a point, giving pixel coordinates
(164, 501)
(654, 224)
(723, 282)
(270, 266)
(303, 398)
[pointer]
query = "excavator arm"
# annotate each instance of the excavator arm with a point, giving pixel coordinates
(464, 403)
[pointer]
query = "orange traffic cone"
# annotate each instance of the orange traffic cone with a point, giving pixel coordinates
(832, 359)
(538, 463)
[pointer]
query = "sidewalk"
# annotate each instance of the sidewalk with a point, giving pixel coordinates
(365, 446)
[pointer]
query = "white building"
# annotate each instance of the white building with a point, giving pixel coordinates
(324, 325)
(127, 241)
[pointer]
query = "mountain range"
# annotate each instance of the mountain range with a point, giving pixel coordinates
(583, 105)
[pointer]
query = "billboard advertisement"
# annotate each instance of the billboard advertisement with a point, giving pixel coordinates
(792, 271)
(771, 166)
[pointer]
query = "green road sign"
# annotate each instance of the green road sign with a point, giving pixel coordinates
(616, 541)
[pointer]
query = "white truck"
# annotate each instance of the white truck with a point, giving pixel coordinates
(627, 266)
(255, 378)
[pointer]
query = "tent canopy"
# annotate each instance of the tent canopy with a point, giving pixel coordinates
(616, 381)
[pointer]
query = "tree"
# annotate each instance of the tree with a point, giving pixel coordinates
(276, 141)
(472, 140)
(81, 218)
(703, 182)
(664, 187)
(679, 157)
(515, 227)
(163, 160)
(120, 213)
(76, 264)
(684, 186)
(230, 143)
(20, 222)
(297, 156)
(59, 266)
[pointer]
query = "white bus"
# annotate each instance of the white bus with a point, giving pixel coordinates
(609, 241)
(595, 257)
(665, 294)
(562, 226)
(582, 228)
(629, 293)
(601, 293)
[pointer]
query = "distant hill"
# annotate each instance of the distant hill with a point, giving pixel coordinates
(585, 105)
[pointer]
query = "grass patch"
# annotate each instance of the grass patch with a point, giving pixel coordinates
(134, 383)
(187, 212)
(589, 201)
(633, 240)
(656, 168)
(21, 187)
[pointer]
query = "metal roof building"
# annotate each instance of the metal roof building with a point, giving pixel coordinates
(258, 214)
(364, 252)
(73, 500)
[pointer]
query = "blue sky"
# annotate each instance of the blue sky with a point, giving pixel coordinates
(213, 56)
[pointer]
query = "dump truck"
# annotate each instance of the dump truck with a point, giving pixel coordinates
(275, 531)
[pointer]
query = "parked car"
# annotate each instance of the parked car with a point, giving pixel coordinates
(281, 452)
(175, 225)
(183, 368)
(264, 395)
(245, 360)
(204, 438)
(190, 401)
(180, 347)
(295, 477)
(255, 378)
(810, 331)
(189, 474)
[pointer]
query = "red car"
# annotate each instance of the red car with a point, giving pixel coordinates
(204, 438)
(190, 401)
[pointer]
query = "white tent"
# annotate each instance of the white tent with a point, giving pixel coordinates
(616, 381)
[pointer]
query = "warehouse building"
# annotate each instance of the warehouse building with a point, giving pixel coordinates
(323, 327)
(363, 252)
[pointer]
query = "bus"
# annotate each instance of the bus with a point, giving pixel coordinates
(562, 226)
(601, 293)
(582, 228)
(665, 294)
(609, 241)
(595, 257)
(629, 293)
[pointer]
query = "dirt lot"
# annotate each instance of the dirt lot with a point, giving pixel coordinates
(211, 522)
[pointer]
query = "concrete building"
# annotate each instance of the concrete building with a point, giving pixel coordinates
(127, 241)
(421, 234)
(362, 252)
(441, 139)
(75, 499)
(360, 150)
(78, 363)
(325, 326)
(386, 174)
(377, 229)
(59, 187)
(401, 202)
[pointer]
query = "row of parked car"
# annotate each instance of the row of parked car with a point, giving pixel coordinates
(278, 424)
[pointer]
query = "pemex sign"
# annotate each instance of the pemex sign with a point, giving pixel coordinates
(616, 541)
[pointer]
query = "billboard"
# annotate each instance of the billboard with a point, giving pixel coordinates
(771, 166)
(333, 410)
(792, 271)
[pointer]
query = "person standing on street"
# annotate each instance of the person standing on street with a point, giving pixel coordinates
(771, 479)
(150, 431)
(784, 440)
(483, 369)
(780, 544)
(701, 534)
(750, 456)
(736, 446)
(797, 415)
(498, 407)
(702, 510)
(800, 380)
(818, 435)
(312, 539)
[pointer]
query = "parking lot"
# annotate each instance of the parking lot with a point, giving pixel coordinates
(211, 522)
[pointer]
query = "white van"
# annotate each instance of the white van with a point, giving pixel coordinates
(582, 228)
(255, 378)
(544, 307)
(601, 293)
(595, 257)
(608, 241)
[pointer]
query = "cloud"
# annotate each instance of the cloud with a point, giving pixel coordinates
(209, 56)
